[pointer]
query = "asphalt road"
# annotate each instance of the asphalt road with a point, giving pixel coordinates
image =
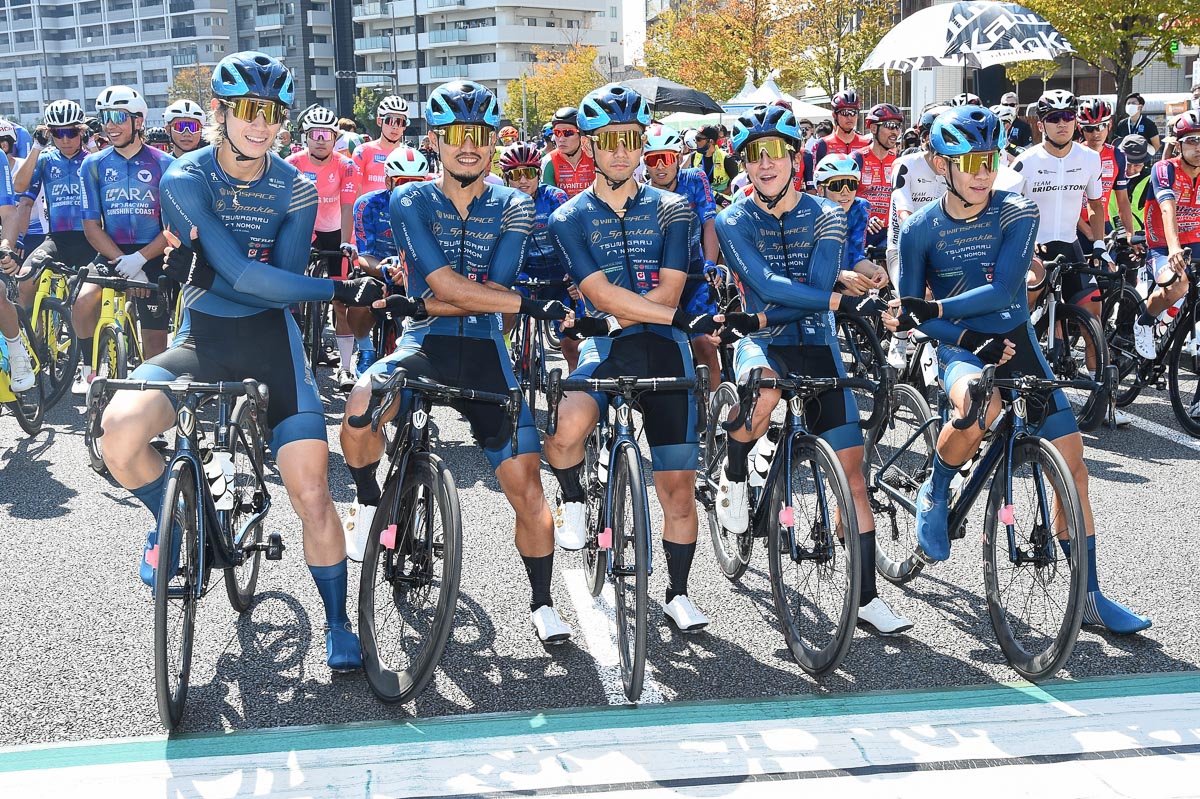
(76, 642)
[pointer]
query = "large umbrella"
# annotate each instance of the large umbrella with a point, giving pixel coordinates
(667, 96)
(977, 34)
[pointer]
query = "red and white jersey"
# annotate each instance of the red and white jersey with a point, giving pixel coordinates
(875, 183)
(833, 145)
(571, 179)
(337, 185)
(1169, 183)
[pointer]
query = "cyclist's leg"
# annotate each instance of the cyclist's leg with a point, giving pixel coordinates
(1159, 299)
(85, 313)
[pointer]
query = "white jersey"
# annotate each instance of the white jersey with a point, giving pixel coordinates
(914, 186)
(1058, 185)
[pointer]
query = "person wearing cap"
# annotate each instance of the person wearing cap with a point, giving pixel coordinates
(1137, 122)
(719, 168)
(1021, 133)
(1137, 172)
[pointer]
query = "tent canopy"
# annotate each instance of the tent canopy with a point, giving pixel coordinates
(769, 93)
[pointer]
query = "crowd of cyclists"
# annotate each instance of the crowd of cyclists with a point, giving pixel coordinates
(939, 229)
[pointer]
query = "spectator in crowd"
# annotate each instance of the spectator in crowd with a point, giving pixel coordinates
(1137, 122)
(1021, 134)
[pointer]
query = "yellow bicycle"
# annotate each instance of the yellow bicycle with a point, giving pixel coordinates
(29, 406)
(56, 342)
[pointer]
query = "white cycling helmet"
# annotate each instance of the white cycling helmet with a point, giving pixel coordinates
(319, 117)
(837, 165)
(1056, 100)
(965, 98)
(392, 105)
(406, 162)
(121, 98)
(689, 139)
(184, 109)
(7, 130)
(62, 113)
(1005, 113)
(660, 138)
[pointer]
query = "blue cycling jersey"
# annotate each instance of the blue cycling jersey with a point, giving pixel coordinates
(488, 246)
(124, 193)
(788, 266)
(542, 261)
(373, 225)
(629, 250)
(976, 269)
(856, 233)
(7, 195)
(257, 238)
(58, 177)
(693, 184)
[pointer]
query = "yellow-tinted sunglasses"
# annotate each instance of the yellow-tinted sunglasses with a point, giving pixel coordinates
(247, 109)
(771, 148)
(970, 163)
(607, 140)
(455, 135)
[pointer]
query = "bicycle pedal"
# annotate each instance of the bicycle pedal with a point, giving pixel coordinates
(275, 547)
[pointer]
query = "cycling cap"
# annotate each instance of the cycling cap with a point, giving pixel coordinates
(157, 136)
(1136, 149)
(462, 102)
(319, 117)
(1094, 111)
(884, 112)
(392, 105)
(519, 155)
(405, 162)
(612, 104)
(1005, 113)
(967, 129)
(253, 74)
(567, 115)
(1186, 124)
(764, 122)
(1056, 100)
(845, 99)
(63, 112)
(930, 114)
(965, 98)
(837, 165)
(184, 109)
(121, 98)
(660, 138)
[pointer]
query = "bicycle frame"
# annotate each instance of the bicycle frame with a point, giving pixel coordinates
(621, 438)
(114, 310)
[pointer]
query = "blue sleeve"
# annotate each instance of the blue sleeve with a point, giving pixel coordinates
(361, 241)
(412, 224)
(1121, 183)
(1018, 229)
(856, 233)
(913, 258)
(516, 225)
(742, 254)
(7, 195)
(675, 219)
(186, 202)
(89, 176)
(810, 171)
(572, 244)
(706, 205)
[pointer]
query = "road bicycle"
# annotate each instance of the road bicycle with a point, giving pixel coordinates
(55, 339)
(313, 317)
(212, 515)
(29, 407)
(529, 340)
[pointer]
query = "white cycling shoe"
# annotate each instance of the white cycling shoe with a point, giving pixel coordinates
(684, 615)
(83, 379)
(570, 525)
(877, 614)
(1143, 341)
(733, 511)
(1122, 418)
(20, 368)
(550, 627)
(357, 528)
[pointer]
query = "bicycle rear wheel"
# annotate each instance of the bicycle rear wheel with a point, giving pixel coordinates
(631, 565)
(29, 406)
(1035, 593)
(176, 590)
(1183, 376)
(112, 357)
(862, 356)
(242, 499)
(907, 469)
(58, 348)
(814, 577)
(1120, 311)
(1081, 340)
(595, 559)
(409, 584)
(732, 550)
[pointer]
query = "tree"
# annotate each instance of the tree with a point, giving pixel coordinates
(191, 83)
(558, 77)
(1024, 70)
(366, 100)
(1122, 37)
(838, 36)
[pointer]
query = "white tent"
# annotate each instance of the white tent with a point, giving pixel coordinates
(740, 97)
(769, 93)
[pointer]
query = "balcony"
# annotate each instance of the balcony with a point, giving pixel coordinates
(184, 59)
(122, 38)
(449, 35)
(183, 32)
(268, 21)
(121, 14)
(275, 50)
(448, 71)
(425, 6)
(372, 44)
(318, 50)
(322, 83)
(181, 6)
(320, 19)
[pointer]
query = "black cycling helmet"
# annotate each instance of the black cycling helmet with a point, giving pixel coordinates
(566, 116)
(1136, 149)
(157, 136)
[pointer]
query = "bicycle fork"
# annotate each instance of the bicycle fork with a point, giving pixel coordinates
(622, 440)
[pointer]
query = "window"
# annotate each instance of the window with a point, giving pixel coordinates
(572, 23)
(410, 63)
(530, 22)
(26, 84)
(155, 76)
(550, 23)
(612, 11)
(31, 108)
(612, 37)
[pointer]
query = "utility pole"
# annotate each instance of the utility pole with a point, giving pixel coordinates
(524, 112)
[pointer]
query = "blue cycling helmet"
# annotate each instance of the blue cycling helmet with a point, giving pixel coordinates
(612, 104)
(253, 74)
(462, 102)
(763, 122)
(837, 165)
(966, 129)
(548, 131)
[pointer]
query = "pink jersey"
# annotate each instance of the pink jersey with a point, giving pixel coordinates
(369, 157)
(337, 185)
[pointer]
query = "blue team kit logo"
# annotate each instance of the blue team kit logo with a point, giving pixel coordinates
(145, 176)
(380, 158)
(55, 173)
(311, 176)
(110, 175)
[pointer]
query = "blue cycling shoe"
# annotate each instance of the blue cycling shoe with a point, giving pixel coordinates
(149, 558)
(1101, 611)
(933, 521)
(341, 648)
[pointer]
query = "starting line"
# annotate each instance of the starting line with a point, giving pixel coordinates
(1118, 736)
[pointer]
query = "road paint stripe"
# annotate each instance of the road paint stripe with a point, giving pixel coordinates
(598, 619)
(1150, 738)
(1153, 428)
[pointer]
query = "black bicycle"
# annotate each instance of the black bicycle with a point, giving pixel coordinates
(212, 515)
(529, 339)
(313, 317)
(410, 574)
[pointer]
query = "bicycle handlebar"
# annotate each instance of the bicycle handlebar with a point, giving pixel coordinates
(258, 392)
(979, 390)
(805, 387)
(625, 386)
(161, 286)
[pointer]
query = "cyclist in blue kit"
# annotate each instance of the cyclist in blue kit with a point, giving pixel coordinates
(972, 250)
(464, 240)
(252, 217)
(627, 248)
(121, 219)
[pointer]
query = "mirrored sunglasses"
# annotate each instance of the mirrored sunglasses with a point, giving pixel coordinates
(655, 160)
(111, 117)
(770, 148)
(521, 173)
(971, 163)
(565, 133)
(321, 134)
(1057, 117)
(64, 133)
(248, 109)
(455, 135)
(841, 184)
(609, 140)
(185, 126)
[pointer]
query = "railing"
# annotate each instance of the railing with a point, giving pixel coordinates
(449, 71)
(449, 35)
(373, 43)
(269, 21)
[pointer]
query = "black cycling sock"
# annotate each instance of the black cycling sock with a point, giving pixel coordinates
(866, 555)
(365, 483)
(736, 464)
(85, 350)
(679, 565)
(539, 571)
(569, 482)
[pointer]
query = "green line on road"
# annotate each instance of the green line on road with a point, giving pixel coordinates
(566, 720)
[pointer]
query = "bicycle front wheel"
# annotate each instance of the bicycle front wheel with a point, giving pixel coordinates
(595, 559)
(732, 550)
(1183, 376)
(409, 584)
(29, 406)
(813, 551)
(177, 588)
(630, 566)
(1035, 592)
(112, 357)
(58, 348)
(242, 499)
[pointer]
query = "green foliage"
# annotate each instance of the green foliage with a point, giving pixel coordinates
(191, 83)
(558, 78)
(839, 35)
(366, 100)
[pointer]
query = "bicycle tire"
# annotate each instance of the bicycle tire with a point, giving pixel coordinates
(631, 566)
(1055, 638)
(29, 406)
(59, 348)
(178, 530)
(895, 550)
(1070, 362)
(862, 356)
(818, 640)
(92, 433)
(112, 359)
(246, 449)
(1183, 385)
(427, 483)
(595, 560)
(551, 336)
(732, 550)
(1119, 312)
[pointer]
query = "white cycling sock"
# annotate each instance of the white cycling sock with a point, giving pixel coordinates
(345, 345)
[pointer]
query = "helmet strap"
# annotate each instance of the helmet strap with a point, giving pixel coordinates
(1189, 163)
(613, 185)
(238, 154)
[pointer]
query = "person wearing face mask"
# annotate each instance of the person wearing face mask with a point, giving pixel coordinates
(1137, 122)
(1021, 134)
